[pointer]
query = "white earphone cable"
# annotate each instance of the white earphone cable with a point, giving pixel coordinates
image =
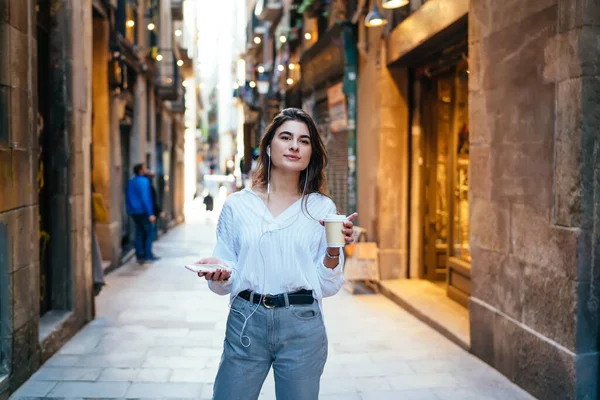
(263, 232)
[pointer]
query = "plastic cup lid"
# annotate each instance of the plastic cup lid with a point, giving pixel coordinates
(334, 218)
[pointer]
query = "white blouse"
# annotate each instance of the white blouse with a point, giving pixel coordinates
(272, 255)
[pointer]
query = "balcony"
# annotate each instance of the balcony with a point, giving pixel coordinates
(168, 78)
(178, 106)
(269, 10)
(177, 10)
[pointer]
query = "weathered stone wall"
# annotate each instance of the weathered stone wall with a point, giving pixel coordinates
(80, 20)
(105, 177)
(392, 176)
(179, 188)
(19, 152)
(367, 146)
(534, 107)
(382, 153)
(18, 185)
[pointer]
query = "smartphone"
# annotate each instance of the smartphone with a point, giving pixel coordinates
(206, 267)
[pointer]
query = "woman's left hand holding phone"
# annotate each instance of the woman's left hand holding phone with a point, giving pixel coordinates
(218, 275)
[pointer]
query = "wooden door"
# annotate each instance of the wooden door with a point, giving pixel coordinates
(436, 116)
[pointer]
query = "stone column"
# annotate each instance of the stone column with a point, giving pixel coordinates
(383, 148)
(103, 176)
(137, 152)
(78, 18)
(393, 173)
(367, 147)
(151, 114)
(534, 100)
(179, 188)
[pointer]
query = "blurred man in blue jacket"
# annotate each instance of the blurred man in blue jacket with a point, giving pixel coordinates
(141, 208)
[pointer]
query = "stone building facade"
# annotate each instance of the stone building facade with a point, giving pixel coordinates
(79, 106)
(26, 339)
(496, 102)
(535, 178)
(138, 113)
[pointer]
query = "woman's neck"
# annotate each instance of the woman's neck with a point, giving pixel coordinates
(284, 183)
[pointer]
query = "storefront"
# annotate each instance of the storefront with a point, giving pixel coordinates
(413, 161)
(440, 168)
(494, 208)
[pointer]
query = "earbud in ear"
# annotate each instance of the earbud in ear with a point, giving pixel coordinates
(269, 151)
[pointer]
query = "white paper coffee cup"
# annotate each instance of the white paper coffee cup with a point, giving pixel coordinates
(334, 224)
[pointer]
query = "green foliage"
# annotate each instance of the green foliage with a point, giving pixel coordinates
(306, 4)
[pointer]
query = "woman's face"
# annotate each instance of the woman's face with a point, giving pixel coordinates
(291, 147)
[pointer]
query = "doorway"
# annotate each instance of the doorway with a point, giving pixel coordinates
(127, 226)
(435, 114)
(54, 168)
(44, 109)
(444, 162)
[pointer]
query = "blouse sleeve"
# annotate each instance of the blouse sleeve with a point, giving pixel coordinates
(225, 249)
(331, 280)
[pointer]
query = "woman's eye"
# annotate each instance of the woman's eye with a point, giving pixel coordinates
(306, 142)
(285, 138)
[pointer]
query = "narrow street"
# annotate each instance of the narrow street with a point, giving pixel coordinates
(159, 333)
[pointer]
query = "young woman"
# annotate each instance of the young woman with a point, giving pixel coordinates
(272, 240)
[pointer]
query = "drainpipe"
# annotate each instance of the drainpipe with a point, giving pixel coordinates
(350, 90)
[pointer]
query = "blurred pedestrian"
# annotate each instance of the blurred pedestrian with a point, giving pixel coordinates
(141, 209)
(209, 202)
(158, 212)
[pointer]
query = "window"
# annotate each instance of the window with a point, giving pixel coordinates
(461, 248)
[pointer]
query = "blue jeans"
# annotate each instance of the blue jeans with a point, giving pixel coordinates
(144, 233)
(292, 340)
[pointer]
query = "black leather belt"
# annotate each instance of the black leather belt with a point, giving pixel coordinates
(278, 300)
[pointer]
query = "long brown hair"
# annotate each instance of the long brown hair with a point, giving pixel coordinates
(318, 158)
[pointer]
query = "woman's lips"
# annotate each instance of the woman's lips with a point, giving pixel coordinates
(293, 158)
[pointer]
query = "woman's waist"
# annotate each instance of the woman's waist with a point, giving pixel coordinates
(256, 285)
(283, 299)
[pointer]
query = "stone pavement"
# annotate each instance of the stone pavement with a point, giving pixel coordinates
(159, 333)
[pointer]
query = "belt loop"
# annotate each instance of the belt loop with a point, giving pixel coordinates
(252, 297)
(287, 300)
